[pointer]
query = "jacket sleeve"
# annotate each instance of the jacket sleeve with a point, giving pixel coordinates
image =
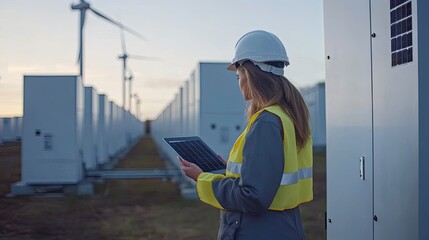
(205, 188)
(261, 171)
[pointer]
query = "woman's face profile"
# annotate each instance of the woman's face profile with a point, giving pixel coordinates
(243, 83)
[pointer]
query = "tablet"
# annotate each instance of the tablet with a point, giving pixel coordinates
(194, 150)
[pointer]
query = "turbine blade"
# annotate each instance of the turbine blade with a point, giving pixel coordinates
(136, 34)
(82, 19)
(79, 55)
(130, 72)
(138, 57)
(124, 49)
(82, 23)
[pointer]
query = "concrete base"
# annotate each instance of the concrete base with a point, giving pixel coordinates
(22, 189)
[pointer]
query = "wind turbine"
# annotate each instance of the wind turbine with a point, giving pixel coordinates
(124, 56)
(82, 6)
(138, 100)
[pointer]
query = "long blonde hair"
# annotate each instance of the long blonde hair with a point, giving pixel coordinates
(267, 89)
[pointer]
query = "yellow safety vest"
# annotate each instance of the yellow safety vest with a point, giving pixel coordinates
(296, 185)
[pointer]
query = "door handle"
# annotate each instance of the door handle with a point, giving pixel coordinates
(362, 167)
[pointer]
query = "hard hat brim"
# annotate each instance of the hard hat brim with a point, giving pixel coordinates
(232, 67)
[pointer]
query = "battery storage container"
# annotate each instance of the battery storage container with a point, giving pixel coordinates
(52, 150)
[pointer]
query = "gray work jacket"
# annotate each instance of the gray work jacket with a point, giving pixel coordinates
(247, 198)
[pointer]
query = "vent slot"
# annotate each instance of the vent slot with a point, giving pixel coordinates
(401, 32)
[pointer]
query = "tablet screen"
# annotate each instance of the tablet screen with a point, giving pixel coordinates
(194, 150)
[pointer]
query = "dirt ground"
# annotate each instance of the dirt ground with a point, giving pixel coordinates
(125, 209)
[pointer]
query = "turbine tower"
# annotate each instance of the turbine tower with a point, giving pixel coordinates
(124, 56)
(138, 101)
(83, 6)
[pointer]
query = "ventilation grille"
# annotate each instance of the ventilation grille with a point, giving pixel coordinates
(401, 32)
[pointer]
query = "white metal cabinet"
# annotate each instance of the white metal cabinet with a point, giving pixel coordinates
(103, 128)
(18, 125)
(349, 119)
(179, 117)
(398, 34)
(52, 136)
(396, 127)
(110, 130)
(8, 129)
(219, 89)
(220, 131)
(221, 106)
(90, 146)
(185, 108)
(192, 110)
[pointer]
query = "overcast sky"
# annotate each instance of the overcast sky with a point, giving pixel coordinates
(41, 37)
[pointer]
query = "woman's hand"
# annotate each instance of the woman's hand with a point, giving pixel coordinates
(190, 169)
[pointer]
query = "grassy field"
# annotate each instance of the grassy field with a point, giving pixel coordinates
(125, 209)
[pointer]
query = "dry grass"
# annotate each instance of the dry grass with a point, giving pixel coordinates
(128, 209)
(10, 165)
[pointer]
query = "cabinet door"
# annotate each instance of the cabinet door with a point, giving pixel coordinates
(349, 119)
(220, 130)
(395, 119)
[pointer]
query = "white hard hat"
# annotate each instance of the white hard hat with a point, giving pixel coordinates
(264, 49)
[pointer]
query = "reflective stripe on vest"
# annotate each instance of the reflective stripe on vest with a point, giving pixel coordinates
(287, 178)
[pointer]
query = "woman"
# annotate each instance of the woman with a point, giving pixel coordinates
(269, 170)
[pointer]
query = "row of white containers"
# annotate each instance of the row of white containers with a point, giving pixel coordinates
(209, 105)
(69, 128)
(10, 129)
